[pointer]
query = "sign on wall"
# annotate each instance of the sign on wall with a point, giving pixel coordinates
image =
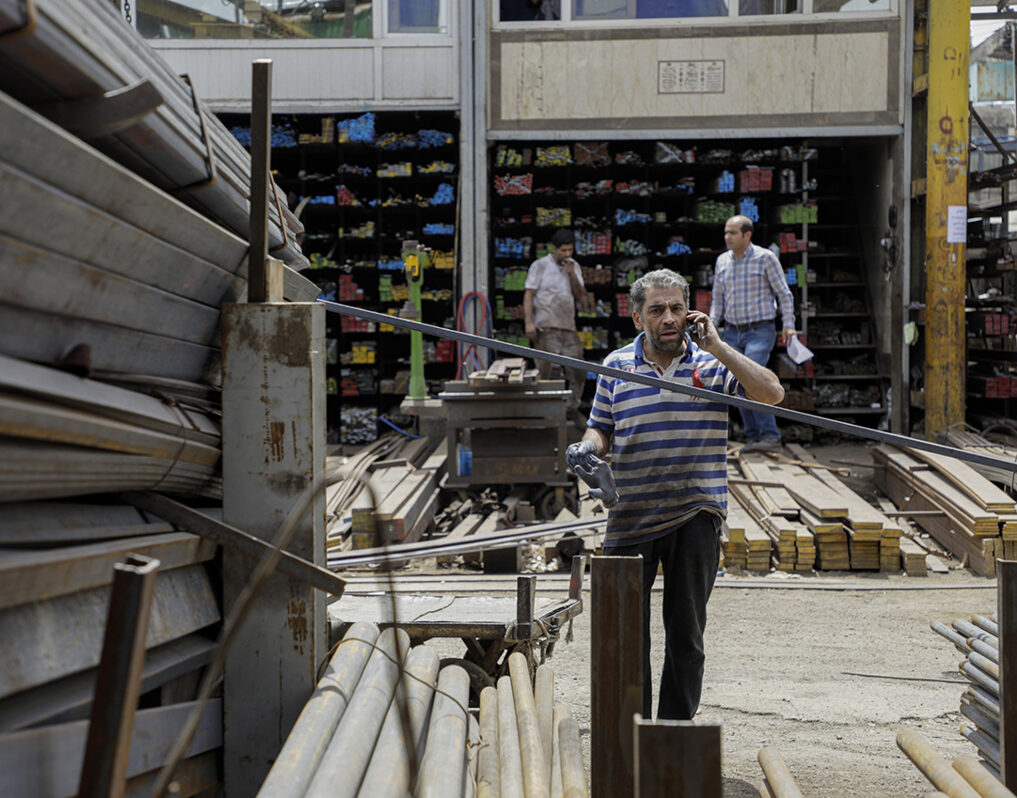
(690, 77)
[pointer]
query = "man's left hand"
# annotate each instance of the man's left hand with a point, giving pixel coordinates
(787, 334)
(706, 334)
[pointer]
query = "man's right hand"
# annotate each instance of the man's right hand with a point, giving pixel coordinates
(593, 471)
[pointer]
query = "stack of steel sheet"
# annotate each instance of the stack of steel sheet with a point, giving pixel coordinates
(978, 640)
(91, 254)
(79, 52)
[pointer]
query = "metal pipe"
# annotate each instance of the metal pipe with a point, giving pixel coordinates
(983, 679)
(345, 760)
(981, 780)
(959, 640)
(990, 652)
(982, 719)
(985, 745)
(307, 741)
(488, 767)
(511, 762)
(573, 778)
(984, 664)
(936, 769)
(988, 625)
(535, 781)
(982, 697)
(557, 789)
(389, 772)
(543, 696)
(778, 776)
(472, 753)
(444, 765)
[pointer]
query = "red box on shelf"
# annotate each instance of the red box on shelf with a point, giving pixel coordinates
(702, 300)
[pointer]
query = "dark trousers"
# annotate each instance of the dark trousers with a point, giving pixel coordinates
(690, 555)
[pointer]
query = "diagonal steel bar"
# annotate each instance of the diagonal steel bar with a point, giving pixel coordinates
(665, 385)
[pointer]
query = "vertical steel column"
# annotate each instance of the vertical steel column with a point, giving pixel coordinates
(616, 671)
(1006, 608)
(261, 157)
(118, 680)
(677, 758)
(946, 213)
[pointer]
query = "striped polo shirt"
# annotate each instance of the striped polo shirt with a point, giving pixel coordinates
(668, 450)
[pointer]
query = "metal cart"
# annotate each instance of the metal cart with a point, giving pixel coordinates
(491, 627)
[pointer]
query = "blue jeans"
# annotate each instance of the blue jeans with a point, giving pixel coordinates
(756, 344)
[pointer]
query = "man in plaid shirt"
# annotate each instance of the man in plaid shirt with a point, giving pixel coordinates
(748, 285)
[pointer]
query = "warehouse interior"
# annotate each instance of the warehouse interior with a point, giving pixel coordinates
(295, 502)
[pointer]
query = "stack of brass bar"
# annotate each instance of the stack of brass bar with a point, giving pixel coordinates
(812, 518)
(387, 720)
(963, 511)
(978, 640)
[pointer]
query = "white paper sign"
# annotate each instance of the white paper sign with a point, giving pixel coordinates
(798, 351)
(957, 224)
(690, 77)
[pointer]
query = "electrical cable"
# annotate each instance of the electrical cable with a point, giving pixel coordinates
(483, 323)
(397, 429)
(666, 385)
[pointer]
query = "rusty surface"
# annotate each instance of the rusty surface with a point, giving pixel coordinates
(1006, 599)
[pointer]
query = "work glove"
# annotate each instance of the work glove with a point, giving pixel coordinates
(593, 471)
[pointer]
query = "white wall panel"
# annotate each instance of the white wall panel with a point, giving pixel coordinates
(428, 73)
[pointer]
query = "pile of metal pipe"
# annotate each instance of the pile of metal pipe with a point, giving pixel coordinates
(965, 777)
(383, 721)
(528, 746)
(81, 49)
(977, 640)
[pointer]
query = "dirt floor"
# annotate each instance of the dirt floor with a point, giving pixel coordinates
(826, 668)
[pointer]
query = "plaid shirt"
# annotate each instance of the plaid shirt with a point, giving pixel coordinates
(744, 289)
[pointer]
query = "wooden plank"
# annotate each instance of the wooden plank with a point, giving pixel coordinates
(184, 602)
(811, 493)
(27, 576)
(70, 698)
(467, 526)
(46, 762)
(776, 501)
(966, 479)
(193, 776)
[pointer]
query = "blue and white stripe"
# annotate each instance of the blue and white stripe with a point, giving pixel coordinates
(668, 450)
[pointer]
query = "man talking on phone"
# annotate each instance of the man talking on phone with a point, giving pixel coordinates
(666, 485)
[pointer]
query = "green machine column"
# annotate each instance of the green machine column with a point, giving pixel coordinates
(415, 259)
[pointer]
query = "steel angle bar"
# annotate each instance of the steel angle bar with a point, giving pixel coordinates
(226, 535)
(665, 385)
(402, 551)
(118, 681)
(112, 111)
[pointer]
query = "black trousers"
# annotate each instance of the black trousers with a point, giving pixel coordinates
(690, 555)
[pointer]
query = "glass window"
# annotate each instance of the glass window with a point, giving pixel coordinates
(255, 19)
(648, 9)
(529, 10)
(748, 8)
(417, 16)
(826, 6)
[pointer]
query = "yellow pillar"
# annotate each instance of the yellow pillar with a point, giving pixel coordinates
(946, 213)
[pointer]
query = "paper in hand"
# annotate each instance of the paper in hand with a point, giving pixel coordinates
(798, 351)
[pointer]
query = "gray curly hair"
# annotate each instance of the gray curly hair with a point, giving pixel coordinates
(658, 278)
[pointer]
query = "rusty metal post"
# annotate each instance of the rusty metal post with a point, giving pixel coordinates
(273, 391)
(261, 160)
(677, 758)
(616, 671)
(946, 214)
(1006, 608)
(118, 681)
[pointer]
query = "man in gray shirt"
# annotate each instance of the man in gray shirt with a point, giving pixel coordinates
(553, 284)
